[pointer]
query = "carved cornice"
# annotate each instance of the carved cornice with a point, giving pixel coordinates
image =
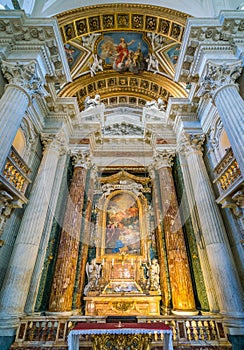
(217, 76)
(208, 37)
(20, 32)
(163, 159)
(181, 107)
(191, 143)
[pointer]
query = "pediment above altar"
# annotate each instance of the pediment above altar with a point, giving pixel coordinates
(124, 177)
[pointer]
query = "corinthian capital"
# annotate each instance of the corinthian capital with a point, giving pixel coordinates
(163, 159)
(218, 76)
(81, 159)
(24, 76)
(53, 141)
(191, 143)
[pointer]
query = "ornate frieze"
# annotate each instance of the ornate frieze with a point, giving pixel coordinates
(217, 76)
(123, 129)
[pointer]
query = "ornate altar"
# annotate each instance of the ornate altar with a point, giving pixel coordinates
(124, 280)
(121, 335)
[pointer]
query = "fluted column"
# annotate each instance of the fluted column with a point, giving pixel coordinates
(161, 246)
(23, 83)
(18, 276)
(225, 277)
(179, 270)
(219, 84)
(66, 264)
(86, 237)
(207, 275)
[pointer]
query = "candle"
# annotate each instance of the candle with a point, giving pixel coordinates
(113, 262)
(132, 262)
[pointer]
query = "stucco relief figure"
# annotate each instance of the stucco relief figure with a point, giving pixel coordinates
(93, 271)
(96, 65)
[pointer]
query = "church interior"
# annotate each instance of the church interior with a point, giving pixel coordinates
(121, 174)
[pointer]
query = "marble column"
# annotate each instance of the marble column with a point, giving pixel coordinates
(23, 83)
(37, 273)
(65, 269)
(160, 240)
(18, 276)
(219, 84)
(179, 271)
(207, 275)
(225, 277)
(86, 237)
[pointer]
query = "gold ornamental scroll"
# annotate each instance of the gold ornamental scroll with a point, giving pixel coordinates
(65, 268)
(121, 341)
(179, 271)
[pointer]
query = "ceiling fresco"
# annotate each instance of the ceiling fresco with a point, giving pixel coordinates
(125, 53)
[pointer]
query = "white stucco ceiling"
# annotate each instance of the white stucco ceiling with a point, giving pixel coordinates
(195, 8)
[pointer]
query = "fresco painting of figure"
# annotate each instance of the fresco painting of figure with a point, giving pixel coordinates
(122, 225)
(124, 51)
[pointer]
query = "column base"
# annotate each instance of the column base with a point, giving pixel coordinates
(185, 312)
(63, 313)
(6, 342)
(237, 341)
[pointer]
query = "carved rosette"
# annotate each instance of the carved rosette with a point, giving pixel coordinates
(218, 76)
(191, 143)
(163, 159)
(24, 76)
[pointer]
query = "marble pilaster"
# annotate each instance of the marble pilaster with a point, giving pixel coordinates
(66, 264)
(18, 276)
(179, 271)
(219, 84)
(35, 282)
(207, 275)
(86, 237)
(23, 83)
(225, 277)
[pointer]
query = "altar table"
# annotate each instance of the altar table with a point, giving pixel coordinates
(120, 328)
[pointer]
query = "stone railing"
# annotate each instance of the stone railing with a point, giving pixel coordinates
(53, 331)
(227, 173)
(16, 173)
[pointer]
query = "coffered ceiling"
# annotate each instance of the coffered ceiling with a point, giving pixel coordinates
(141, 71)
